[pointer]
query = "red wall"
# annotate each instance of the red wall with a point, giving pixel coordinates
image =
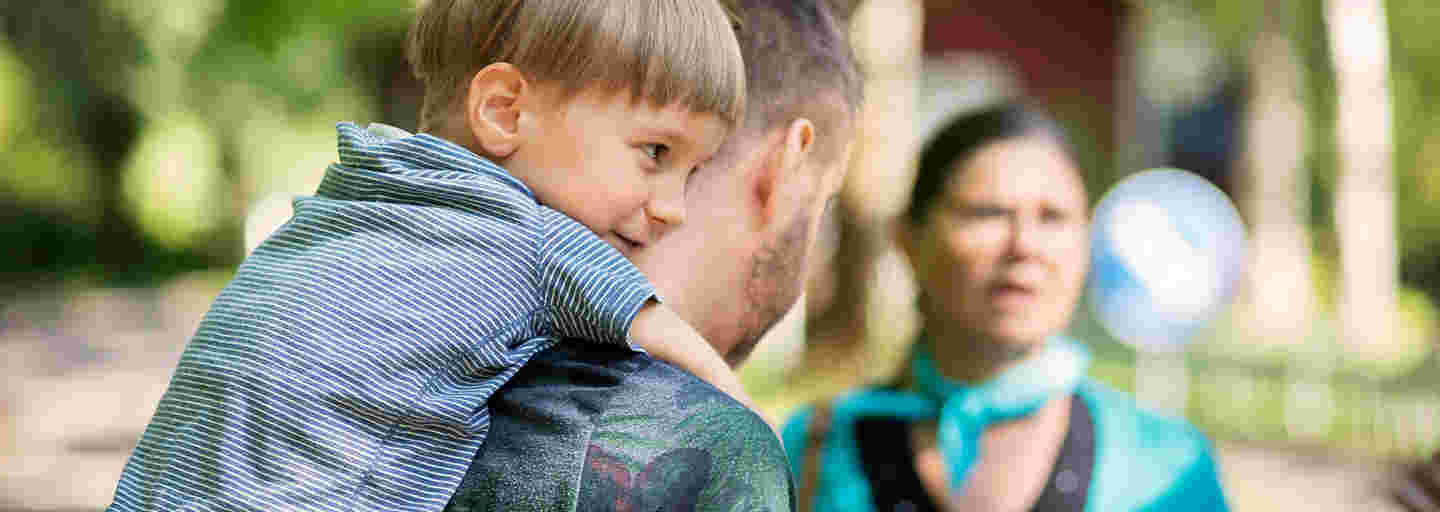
(1060, 47)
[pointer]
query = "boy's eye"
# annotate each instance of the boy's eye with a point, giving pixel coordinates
(655, 151)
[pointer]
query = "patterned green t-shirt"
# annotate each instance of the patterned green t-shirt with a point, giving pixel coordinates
(590, 428)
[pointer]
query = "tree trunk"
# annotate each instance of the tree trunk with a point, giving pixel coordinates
(1364, 195)
(1276, 198)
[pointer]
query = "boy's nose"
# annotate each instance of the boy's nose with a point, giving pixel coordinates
(667, 206)
(668, 211)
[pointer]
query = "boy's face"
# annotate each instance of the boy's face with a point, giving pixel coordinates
(618, 166)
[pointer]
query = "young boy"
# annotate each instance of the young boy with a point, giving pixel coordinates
(347, 365)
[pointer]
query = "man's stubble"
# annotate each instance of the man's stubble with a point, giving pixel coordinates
(774, 284)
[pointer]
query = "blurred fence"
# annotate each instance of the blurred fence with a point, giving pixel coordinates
(1294, 404)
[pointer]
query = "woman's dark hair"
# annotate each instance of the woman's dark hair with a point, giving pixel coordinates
(962, 136)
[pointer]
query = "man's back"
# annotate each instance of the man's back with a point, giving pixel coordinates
(593, 428)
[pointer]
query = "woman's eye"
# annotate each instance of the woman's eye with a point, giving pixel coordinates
(986, 212)
(655, 151)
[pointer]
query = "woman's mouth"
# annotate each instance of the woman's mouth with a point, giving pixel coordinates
(1011, 295)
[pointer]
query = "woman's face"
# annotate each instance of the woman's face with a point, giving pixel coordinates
(1003, 254)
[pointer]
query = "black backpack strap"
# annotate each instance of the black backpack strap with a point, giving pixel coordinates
(1068, 487)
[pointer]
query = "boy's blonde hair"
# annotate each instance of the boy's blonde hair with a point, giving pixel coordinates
(664, 51)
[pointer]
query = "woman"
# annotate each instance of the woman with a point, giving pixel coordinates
(994, 411)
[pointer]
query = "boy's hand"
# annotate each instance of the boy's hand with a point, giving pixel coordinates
(666, 336)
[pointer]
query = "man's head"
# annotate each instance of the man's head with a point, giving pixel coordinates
(602, 107)
(738, 264)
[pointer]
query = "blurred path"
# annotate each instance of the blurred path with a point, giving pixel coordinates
(81, 376)
(1260, 478)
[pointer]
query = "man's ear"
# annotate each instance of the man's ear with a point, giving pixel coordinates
(903, 234)
(799, 141)
(785, 165)
(493, 108)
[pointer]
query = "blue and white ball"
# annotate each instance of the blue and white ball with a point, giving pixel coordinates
(1167, 252)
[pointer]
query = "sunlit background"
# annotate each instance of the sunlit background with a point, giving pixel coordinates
(146, 144)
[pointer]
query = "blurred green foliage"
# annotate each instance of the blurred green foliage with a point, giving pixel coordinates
(1415, 76)
(133, 153)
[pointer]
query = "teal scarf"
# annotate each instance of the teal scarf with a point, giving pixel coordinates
(964, 412)
(1015, 393)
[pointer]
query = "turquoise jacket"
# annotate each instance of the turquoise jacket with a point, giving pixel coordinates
(1143, 461)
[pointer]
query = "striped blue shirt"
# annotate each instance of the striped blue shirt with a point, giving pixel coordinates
(348, 364)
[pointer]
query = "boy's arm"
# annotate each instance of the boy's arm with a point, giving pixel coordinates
(595, 294)
(590, 290)
(662, 333)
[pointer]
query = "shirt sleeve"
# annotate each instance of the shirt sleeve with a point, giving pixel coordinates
(591, 291)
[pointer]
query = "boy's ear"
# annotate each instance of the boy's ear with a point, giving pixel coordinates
(493, 108)
(785, 169)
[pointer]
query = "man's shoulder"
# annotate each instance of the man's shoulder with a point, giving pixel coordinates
(582, 426)
(540, 424)
(671, 440)
(614, 383)
(680, 408)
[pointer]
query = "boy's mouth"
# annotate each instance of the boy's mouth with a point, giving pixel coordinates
(626, 244)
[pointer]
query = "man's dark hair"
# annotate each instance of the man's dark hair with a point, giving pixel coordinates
(798, 63)
(962, 136)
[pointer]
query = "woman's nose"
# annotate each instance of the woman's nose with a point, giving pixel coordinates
(1026, 237)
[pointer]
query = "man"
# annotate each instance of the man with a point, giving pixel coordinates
(587, 428)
